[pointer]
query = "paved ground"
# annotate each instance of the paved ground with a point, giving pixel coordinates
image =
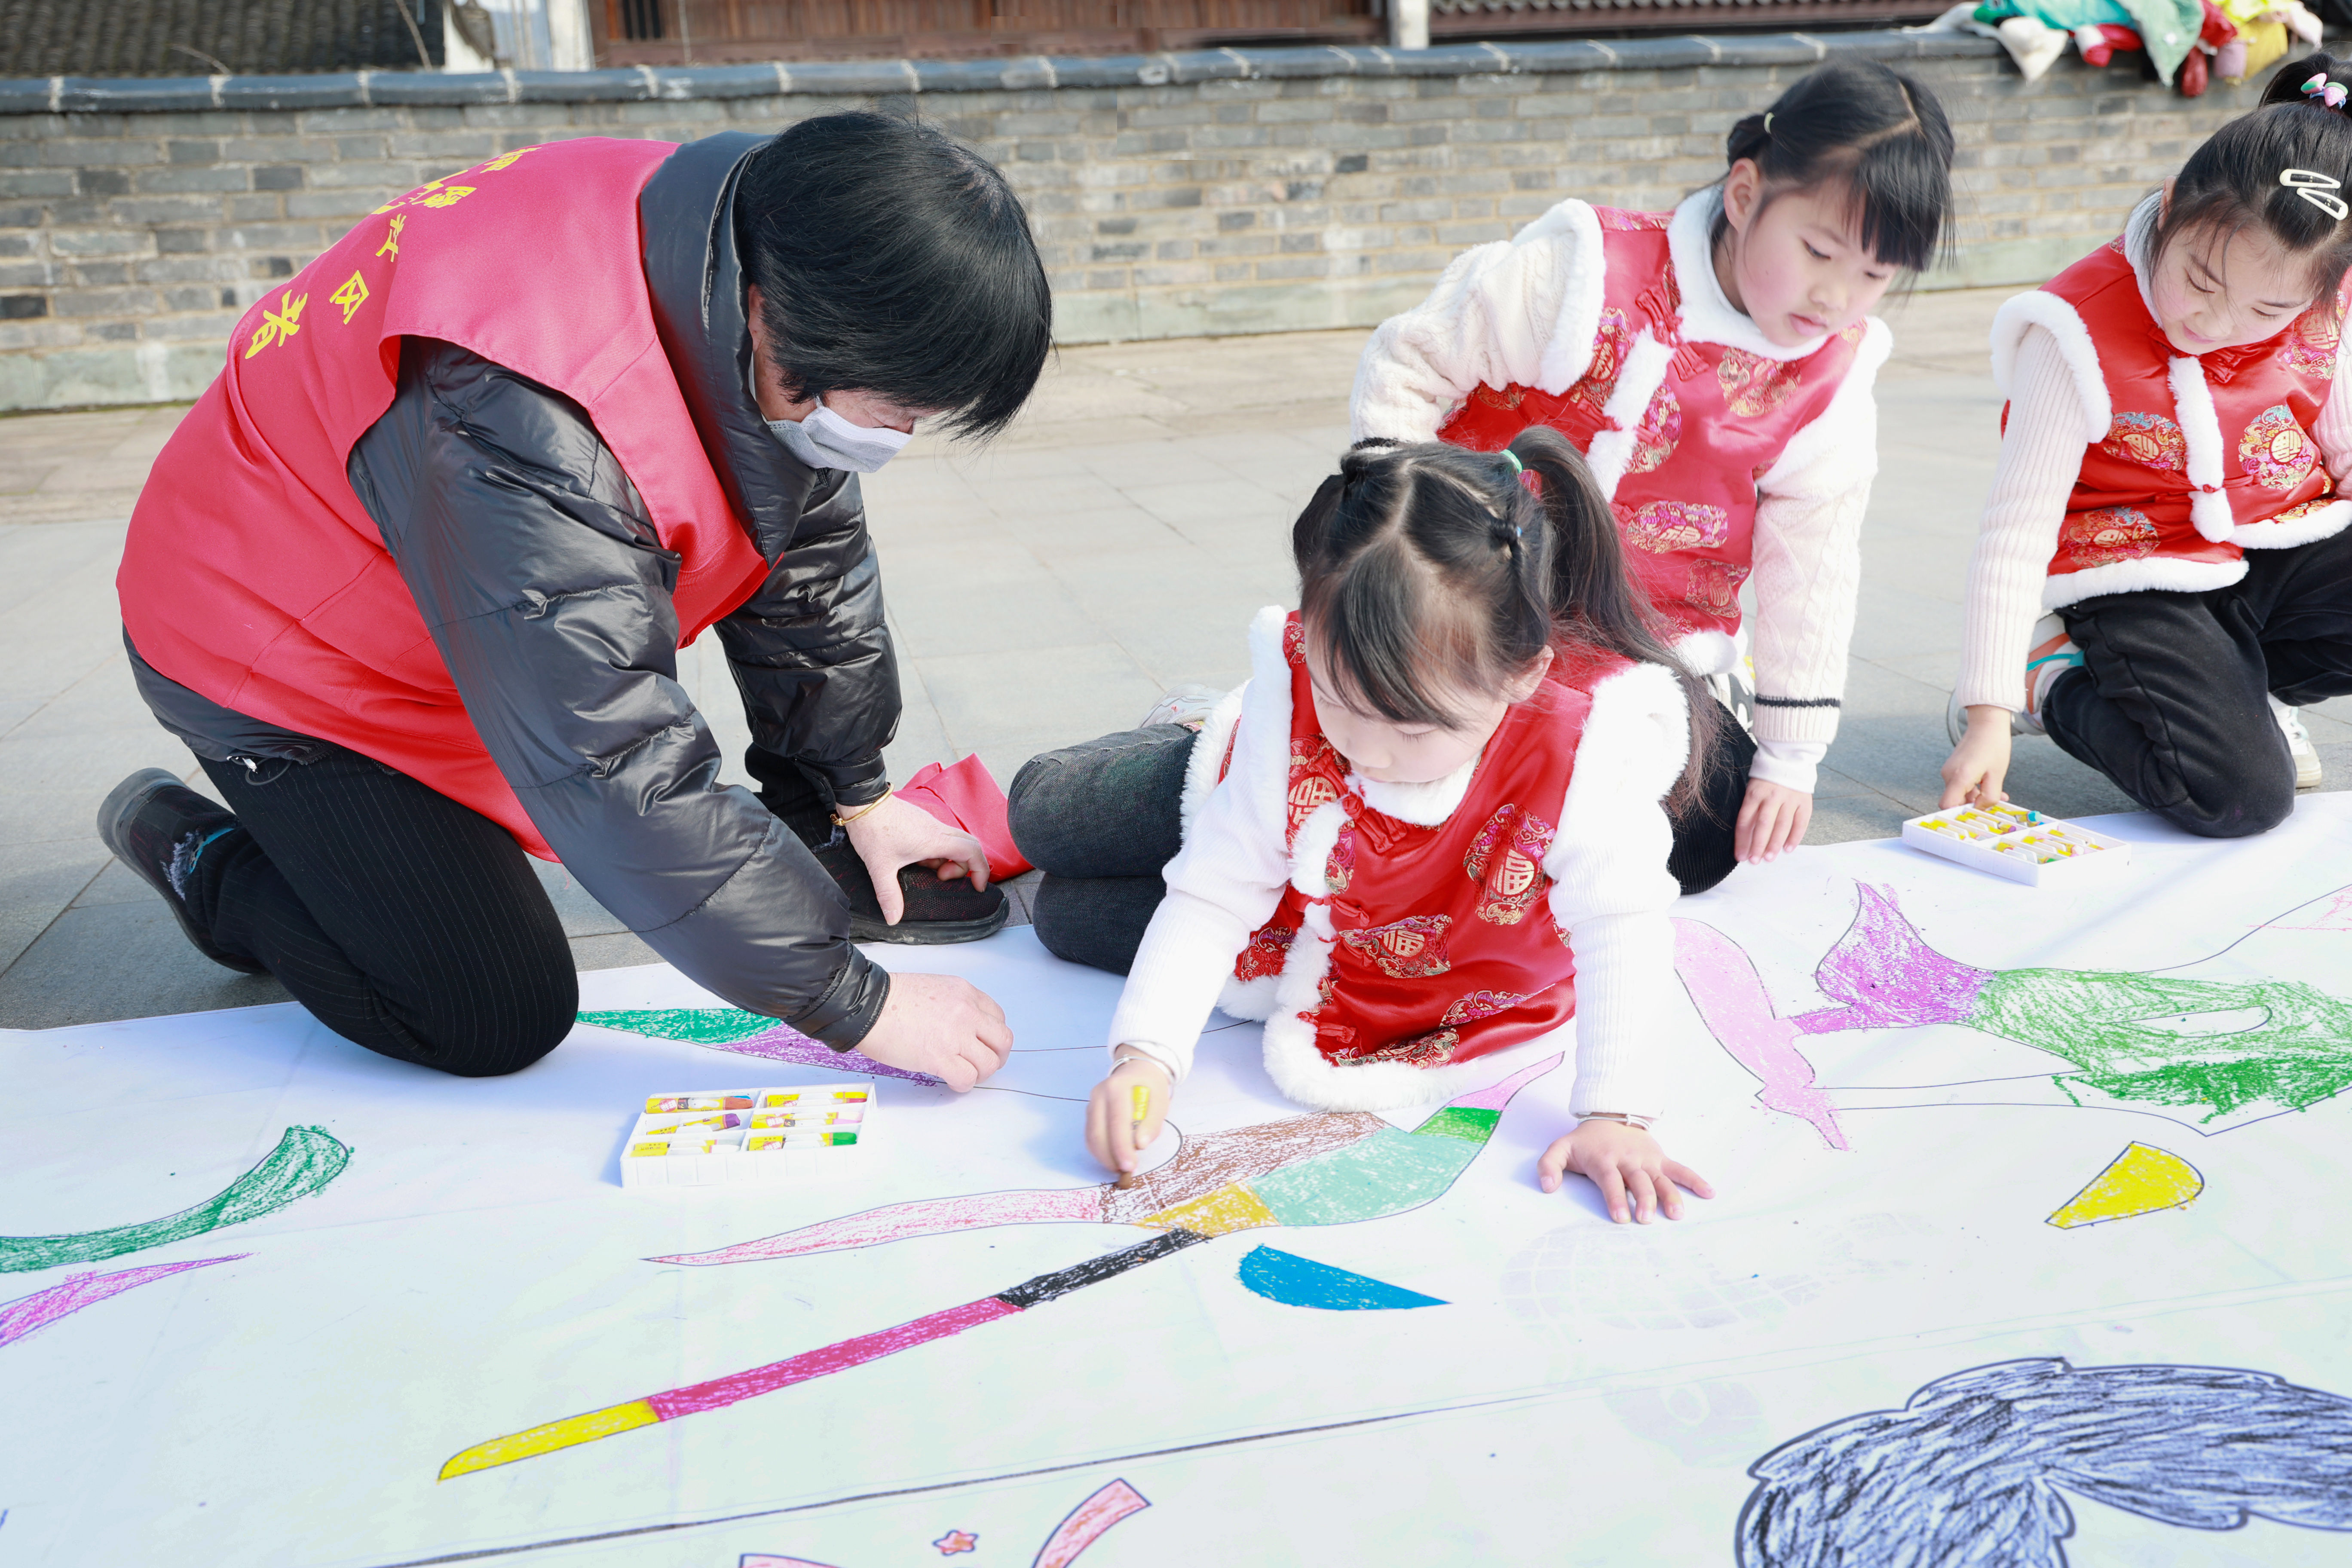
(1042, 591)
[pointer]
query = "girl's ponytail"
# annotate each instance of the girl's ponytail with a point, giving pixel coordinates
(1587, 595)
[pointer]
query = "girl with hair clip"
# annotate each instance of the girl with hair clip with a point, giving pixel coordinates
(2167, 498)
(1714, 365)
(1429, 828)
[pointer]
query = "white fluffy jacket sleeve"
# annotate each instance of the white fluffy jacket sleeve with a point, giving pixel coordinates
(1611, 889)
(1519, 312)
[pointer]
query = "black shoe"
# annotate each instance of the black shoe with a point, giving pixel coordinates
(937, 913)
(157, 826)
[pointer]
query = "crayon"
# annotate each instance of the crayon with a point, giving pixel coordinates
(656, 1104)
(1138, 1105)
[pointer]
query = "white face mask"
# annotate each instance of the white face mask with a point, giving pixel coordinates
(825, 440)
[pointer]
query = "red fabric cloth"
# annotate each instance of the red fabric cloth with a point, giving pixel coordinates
(253, 576)
(1445, 947)
(1686, 508)
(2132, 499)
(966, 796)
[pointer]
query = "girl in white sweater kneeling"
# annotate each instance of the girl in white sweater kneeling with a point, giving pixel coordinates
(1432, 825)
(1714, 364)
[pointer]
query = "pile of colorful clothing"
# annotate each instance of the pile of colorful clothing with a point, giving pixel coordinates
(2189, 42)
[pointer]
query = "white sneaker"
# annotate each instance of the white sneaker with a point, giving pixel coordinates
(1187, 705)
(2051, 655)
(2307, 771)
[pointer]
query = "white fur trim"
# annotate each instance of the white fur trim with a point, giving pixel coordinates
(1631, 711)
(1423, 805)
(1573, 227)
(1310, 850)
(2192, 400)
(1707, 652)
(1249, 999)
(1646, 364)
(2325, 523)
(2056, 317)
(1707, 315)
(2162, 573)
(1208, 755)
(1826, 457)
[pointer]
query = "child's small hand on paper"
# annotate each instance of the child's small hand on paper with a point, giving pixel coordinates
(1112, 1135)
(1627, 1164)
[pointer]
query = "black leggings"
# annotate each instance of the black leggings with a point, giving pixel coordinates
(1101, 820)
(405, 921)
(2172, 703)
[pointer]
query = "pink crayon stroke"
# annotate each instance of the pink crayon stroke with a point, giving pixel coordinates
(1738, 1011)
(762, 1560)
(924, 1216)
(1086, 1523)
(29, 1314)
(1495, 1096)
(721, 1392)
(785, 1044)
(2335, 917)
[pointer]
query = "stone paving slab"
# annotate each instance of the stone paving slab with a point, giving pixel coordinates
(1045, 590)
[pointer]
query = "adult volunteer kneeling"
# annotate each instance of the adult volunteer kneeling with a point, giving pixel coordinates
(410, 578)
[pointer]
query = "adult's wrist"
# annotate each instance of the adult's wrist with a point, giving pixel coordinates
(845, 1012)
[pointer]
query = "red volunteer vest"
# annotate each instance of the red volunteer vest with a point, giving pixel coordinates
(2135, 499)
(252, 573)
(1446, 950)
(1686, 504)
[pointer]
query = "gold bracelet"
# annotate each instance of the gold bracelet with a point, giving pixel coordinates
(1639, 1124)
(841, 821)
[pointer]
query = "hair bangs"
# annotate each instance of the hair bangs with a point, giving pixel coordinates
(1372, 630)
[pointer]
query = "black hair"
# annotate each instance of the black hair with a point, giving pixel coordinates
(1876, 131)
(1973, 1468)
(2231, 181)
(892, 260)
(1427, 570)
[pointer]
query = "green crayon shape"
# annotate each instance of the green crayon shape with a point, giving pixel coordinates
(304, 1162)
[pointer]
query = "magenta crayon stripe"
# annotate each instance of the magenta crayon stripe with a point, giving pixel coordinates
(721, 1391)
(38, 1311)
(1738, 1011)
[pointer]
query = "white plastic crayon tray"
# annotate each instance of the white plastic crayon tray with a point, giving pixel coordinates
(2012, 842)
(708, 1137)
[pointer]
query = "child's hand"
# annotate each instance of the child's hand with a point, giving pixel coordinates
(1111, 1134)
(1620, 1161)
(1980, 763)
(1772, 818)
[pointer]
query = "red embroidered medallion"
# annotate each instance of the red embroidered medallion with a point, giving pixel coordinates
(1506, 861)
(2110, 534)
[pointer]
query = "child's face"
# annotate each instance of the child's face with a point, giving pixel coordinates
(1795, 265)
(2215, 291)
(1386, 752)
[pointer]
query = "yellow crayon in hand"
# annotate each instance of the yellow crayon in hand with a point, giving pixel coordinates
(1139, 1103)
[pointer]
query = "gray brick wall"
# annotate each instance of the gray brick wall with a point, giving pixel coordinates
(1273, 195)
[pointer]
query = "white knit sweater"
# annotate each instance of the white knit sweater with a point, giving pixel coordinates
(1526, 311)
(2009, 585)
(1607, 864)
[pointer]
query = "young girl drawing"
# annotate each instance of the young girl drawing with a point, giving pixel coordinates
(1429, 828)
(1714, 365)
(2167, 491)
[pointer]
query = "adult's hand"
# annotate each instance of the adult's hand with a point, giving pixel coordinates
(894, 833)
(939, 1025)
(1979, 765)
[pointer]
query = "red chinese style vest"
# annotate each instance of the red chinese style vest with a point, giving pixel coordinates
(1714, 424)
(254, 576)
(2141, 493)
(1443, 945)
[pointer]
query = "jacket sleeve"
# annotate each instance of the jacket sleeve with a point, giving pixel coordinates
(1519, 312)
(812, 654)
(547, 592)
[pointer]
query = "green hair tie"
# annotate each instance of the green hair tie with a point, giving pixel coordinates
(1513, 458)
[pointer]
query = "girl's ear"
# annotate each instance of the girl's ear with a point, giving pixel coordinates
(1523, 685)
(1741, 187)
(2164, 201)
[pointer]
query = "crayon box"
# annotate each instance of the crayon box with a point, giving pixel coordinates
(712, 1138)
(2013, 842)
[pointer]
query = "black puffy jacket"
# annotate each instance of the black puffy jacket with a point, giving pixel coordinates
(546, 588)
